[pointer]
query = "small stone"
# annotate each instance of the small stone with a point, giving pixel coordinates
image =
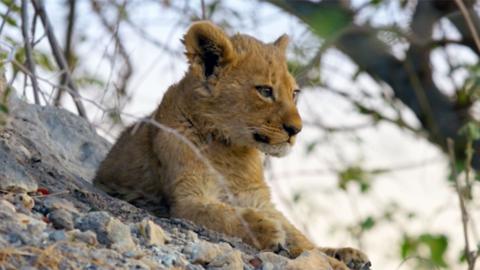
(61, 219)
(256, 262)
(231, 260)
(272, 261)
(269, 266)
(87, 237)
(119, 235)
(153, 234)
(101, 254)
(192, 236)
(203, 252)
(194, 267)
(58, 235)
(110, 231)
(54, 203)
(13, 176)
(21, 200)
(7, 207)
(129, 254)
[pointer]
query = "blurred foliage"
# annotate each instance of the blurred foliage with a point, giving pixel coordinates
(429, 248)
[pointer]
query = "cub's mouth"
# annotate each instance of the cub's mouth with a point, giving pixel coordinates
(278, 149)
(261, 138)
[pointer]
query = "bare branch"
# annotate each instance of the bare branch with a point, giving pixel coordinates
(28, 52)
(5, 16)
(68, 48)
(204, 14)
(469, 255)
(468, 19)
(58, 55)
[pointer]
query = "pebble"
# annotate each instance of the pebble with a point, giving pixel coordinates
(58, 235)
(203, 252)
(61, 219)
(152, 233)
(87, 237)
(231, 260)
(192, 236)
(7, 207)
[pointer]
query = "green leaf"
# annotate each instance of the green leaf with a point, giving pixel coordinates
(438, 245)
(407, 247)
(11, 4)
(471, 130)
(368, 223)
(461, 257)
(297, 197)
(3, 108)
(90, 81)
(311, 147)
(43, 60)
(9, 20)
(459, 167)
(435, 244)
(354, 174)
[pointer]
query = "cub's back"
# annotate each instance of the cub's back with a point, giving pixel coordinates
(129, 171)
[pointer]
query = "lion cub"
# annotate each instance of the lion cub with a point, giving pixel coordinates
(236, 101)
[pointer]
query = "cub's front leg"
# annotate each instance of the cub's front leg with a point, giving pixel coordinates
(251, 225)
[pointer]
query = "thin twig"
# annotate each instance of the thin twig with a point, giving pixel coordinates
(58, 55)
(468, 19)
(204, 14)
(471, 258)
(68, 49)
(28, 52)
(34, 28)
(5, 16)
(122, 50)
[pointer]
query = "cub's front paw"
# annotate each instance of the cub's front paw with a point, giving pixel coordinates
(263, 232)
(336, 264)
(353, 258)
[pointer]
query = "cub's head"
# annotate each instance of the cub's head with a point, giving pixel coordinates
(242, 89)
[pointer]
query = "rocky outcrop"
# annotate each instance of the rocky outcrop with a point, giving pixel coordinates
(51, 217)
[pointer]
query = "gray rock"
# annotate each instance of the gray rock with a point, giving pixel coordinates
(203, 252)
(194, 267)
(151, 233)
(97, 222)
(87, 237)
(7, 207)
(52, 130)
(61, 219)
(58, 235)
(231, 260)
(110, 231)
(12, 175)
(54, 203)
(272, 261)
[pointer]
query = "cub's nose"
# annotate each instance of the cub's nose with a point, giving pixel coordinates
(292, 129)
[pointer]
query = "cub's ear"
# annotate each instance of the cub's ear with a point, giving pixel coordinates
(282, 42)
(208, 46)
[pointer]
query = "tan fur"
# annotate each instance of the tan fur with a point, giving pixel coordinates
(218, 109)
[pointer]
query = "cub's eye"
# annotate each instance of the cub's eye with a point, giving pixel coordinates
(265, 90)
(296, 92)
